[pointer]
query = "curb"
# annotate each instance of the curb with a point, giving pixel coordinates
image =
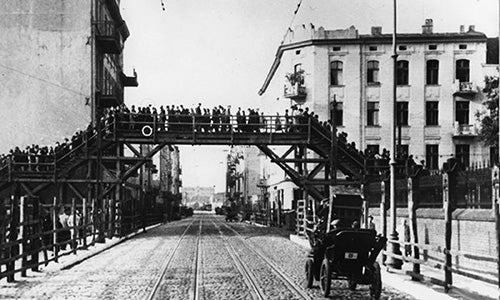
(69, 265)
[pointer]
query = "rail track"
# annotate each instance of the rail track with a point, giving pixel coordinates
(154, 294)
(258, 282)
(291, 285)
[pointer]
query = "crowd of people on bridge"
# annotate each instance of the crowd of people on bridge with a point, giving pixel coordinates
(36, 158)
(201, 119)
(219, 119)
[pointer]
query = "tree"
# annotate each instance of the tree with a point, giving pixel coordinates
(488, 132)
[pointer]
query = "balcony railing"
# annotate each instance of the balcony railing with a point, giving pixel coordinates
(295, 91)
(465, 88)
(108, 37)
(129, 80)
(465, 130)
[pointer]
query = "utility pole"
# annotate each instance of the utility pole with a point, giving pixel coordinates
(393, 247)
(496, 203)
(333, 160)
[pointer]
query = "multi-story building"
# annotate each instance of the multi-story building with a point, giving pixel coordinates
(170, 170)
(439, 78)
(61, 63)
(245, 175)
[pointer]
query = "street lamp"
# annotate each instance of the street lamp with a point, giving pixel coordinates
(393, 247)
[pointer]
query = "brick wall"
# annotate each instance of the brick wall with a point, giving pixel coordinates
(473, 230)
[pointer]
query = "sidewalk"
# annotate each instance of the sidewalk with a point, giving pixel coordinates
(463, 287)
(70, 260)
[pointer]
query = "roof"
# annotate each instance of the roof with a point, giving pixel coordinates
(470, 36)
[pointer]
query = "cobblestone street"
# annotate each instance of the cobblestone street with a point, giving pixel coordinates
(197, 258)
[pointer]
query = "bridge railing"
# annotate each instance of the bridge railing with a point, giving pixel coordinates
(149, 124)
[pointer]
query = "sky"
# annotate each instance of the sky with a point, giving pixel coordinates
(218, 52)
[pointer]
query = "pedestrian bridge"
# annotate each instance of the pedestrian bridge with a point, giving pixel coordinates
(313, 150)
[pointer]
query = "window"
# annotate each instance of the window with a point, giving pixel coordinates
(373, 48)
(402, 48)
(402, 113)
(336, 73)
(462, 46)
(462, 70)
(372, 76)
(373, 149)
(462, 153)
(432, 71)
(432, 157)
(338, 114)
(402, 151)
(336, 48)
(462, 112)
(431, 113)
(402, 72)
(298, 69)
(372, 118)
(297, 52)
(433, 47)
(493, 155)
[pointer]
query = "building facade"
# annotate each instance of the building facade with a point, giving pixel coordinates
(349, 76)
(61, 64)
(170, 170)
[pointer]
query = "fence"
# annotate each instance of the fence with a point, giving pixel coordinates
(471, 189)
(33, 233)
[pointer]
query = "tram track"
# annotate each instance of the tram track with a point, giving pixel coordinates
(287, 280)
(249, 278)
(155, 292)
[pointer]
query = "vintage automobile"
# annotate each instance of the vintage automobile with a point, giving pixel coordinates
(345, 254)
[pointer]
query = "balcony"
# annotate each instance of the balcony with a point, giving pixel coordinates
(130, 81)
(108, 36)
(465, 131)
(295, 92)
(465, 88)
(111, 92)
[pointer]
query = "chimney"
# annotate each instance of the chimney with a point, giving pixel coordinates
(376, 30)
(427, 27)
(472, 28)
(462, 28)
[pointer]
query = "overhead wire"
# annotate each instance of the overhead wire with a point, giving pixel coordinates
(44, 80)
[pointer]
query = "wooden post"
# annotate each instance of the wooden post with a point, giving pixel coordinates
(37, 241)
(14, 224)
(447, 220)
(23, 235)
(412, 215)
(85, 222)
(55, 246)
(365, 205)
(94, 219)
(495, 189)
(75, 226)
(383, 215)
(111, 215)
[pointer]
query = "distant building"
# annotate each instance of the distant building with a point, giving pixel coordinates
(197, 196)
(61, 61)
(245, 175)
(170, 170)
(439, 82)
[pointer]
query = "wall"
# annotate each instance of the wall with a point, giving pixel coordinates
(473, 230)
(45, 71)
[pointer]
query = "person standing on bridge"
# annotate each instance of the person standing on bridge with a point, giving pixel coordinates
(288, 121)
(277, 123)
